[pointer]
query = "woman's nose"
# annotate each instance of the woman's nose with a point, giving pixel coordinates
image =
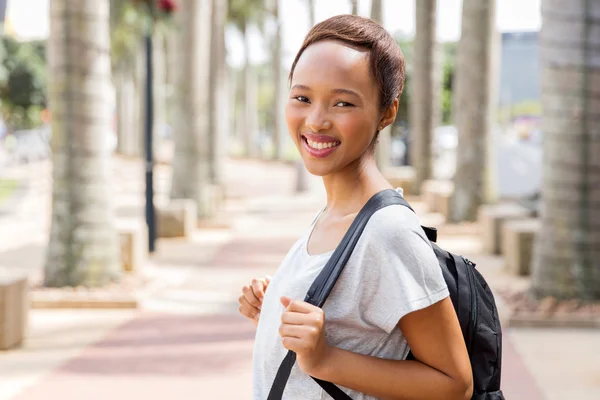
(317, 120)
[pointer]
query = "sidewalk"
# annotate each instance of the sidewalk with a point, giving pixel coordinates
(188, 342)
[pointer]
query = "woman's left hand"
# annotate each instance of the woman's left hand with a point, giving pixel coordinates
(302, 331)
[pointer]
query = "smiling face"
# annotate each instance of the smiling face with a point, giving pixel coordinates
(333, 108)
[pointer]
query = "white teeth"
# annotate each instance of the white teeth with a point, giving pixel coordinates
(321, 146)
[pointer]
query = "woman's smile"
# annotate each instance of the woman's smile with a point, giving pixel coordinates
(319, 146)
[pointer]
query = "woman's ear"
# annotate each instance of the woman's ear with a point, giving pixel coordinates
(389, 115)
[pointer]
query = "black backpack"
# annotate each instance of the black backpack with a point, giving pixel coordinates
(471, 296)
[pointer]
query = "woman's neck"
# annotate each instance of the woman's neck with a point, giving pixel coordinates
(350, 188)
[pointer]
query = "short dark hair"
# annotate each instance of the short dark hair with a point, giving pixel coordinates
(386, 61)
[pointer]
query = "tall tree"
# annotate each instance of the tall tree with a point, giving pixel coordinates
(243, 14)
(474, 108)
(423, 90)
(312, 19)
(218, 102)
(567, 251)
(128, 73)
(354, 4)
(377, 11)
(278, 98)
(382, 151)
(191, 172)
(83, 247)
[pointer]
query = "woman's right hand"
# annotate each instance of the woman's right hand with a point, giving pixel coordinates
(252, 297)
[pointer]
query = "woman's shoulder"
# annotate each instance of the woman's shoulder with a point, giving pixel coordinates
(393, 218)
(394, 224)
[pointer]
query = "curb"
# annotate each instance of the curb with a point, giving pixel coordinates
(44, 302)
(532, 320)
(511, 319)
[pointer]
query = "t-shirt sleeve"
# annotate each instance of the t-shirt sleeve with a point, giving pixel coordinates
(400, 274)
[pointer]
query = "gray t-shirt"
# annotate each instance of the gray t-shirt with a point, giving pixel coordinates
(392, 272)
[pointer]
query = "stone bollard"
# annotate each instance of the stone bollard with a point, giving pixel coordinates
(491, 219)
(517, 242)
(403, 177)
(14, 310)
(178, 218)
(443, 198)
(133, 236)
(437, 195)
(428, 195)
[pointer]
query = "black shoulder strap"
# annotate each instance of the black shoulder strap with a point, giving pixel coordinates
(323, 284)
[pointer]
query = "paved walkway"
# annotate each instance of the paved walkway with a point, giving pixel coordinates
(187, 341)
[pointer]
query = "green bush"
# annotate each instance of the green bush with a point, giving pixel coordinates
(23, 82)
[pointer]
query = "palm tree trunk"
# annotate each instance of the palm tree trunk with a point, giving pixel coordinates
(354, 6)
(311, 13)
(423, 91)
(250, 127)
(159, 78)
(474, 108)
(278, 98)
(377, 11)
(126, 113)
(191, 173)
(83, 247)
(218, 92)
(382, 151)
(567, 252)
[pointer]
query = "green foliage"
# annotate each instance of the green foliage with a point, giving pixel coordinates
(406, 46)
(23, 84)
(7, 188)
(448, 80)
(449, 65)
(266, 94)
(128, 26)
(242, 13)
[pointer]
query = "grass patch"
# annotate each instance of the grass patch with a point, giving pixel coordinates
(7, 189)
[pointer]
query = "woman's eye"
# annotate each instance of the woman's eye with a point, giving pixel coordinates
(343, 104)
(301, 99)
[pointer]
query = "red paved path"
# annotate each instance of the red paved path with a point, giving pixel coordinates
(155, 357)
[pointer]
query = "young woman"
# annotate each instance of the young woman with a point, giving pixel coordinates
(345, 84)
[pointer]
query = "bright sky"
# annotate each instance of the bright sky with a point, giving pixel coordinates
(511, 15)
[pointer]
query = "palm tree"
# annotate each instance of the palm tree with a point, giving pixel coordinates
(567, 250)
(312, 19)
(278, 124)
(423, 90)
(218, 103)
(83, 247)
(126, 58)
(377, 11)
(382, 151)
(473, 105)
(191, 172)
(354, 4)
(242, 14)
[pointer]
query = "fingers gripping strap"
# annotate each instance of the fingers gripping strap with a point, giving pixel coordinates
(323, 285)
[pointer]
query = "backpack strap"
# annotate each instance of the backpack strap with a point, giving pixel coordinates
(325, 281)
(431, 233)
